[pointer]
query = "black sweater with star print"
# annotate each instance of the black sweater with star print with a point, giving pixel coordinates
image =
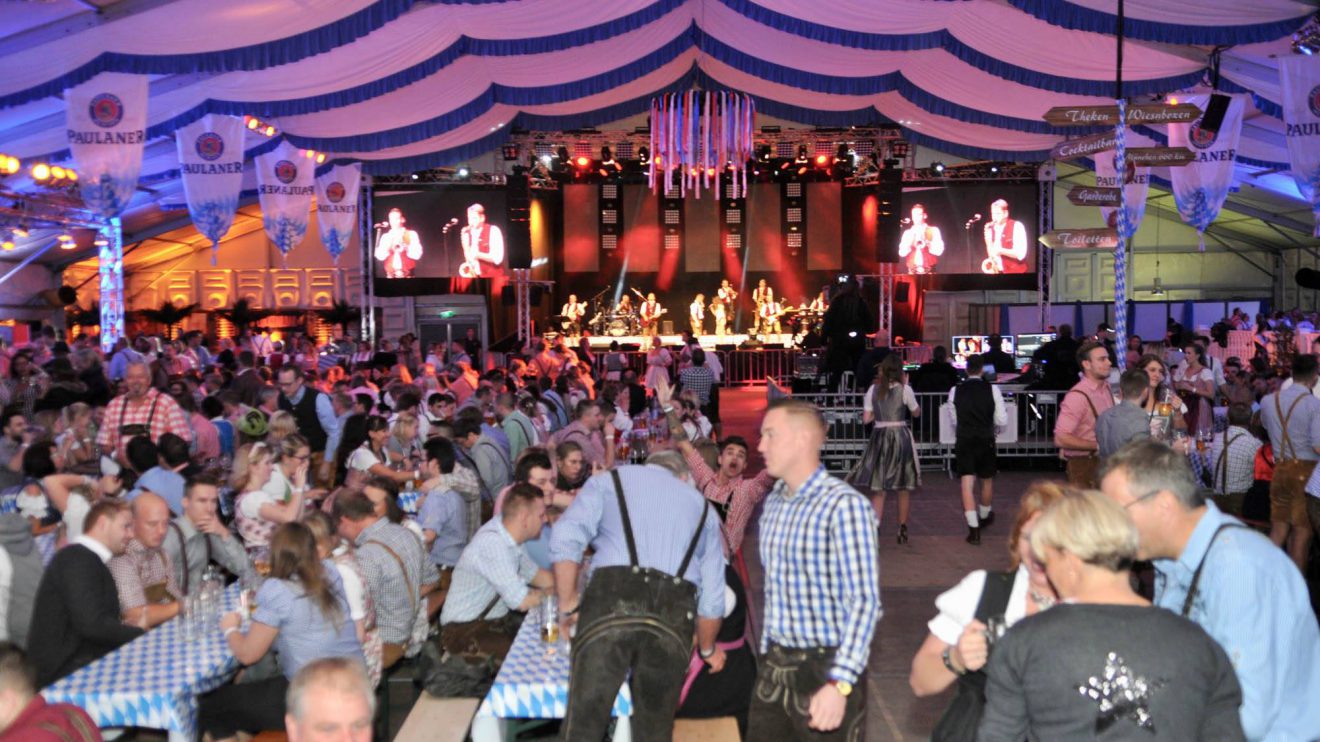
(1109, 672)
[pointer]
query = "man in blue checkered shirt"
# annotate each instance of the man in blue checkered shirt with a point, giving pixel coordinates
(822, 588)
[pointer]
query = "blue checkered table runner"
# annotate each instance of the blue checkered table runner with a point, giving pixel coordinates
(533, 681)
(153, 681)
(409, 499)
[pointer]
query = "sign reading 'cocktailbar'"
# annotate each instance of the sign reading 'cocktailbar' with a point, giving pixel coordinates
(1143, 113)
(1091, 196)
(1083, 147)
(1080, 239)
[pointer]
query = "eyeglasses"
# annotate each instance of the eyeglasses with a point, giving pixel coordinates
(1146, 496)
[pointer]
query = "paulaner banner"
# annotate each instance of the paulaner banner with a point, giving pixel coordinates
(337, 206)
(1301, 119)
(211, 161)
(1201, 187)
(1136, 182)
(285, 177)
(106, 121)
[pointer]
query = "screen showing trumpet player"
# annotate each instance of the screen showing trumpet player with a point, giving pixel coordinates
(922, 245)
(398, 248)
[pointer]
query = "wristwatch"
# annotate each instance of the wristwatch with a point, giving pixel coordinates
(843, 687)
(948, 662)
(706, 655)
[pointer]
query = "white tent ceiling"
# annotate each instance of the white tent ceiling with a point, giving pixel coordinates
(403, 85)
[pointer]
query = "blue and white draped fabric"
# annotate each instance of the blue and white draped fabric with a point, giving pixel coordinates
(285, 177)
(1135, 183)
(106, 132)
(1201, 187)
(337, 206)
(1126, 229)
(1300, 76)
(211, 165)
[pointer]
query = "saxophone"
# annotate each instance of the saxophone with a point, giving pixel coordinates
(470, 267)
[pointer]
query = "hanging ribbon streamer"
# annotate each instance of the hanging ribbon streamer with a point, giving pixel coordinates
(1125, 231)
(697, 134)
(211, 162)
(1301, 120)
(337, 206)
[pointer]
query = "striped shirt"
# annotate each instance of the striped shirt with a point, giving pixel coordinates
(493, 564)
(139, 568)
(734, 501)
(822, 580)
(167, 417)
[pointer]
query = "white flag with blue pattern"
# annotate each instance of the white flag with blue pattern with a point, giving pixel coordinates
(211, 163)
(1301, 119)
(106, 121)
(337, 206)
(285, 178)
(1201, 187)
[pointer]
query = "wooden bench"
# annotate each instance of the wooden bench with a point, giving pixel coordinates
(720, 729)
(439, 720)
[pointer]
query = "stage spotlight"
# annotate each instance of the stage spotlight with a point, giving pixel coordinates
(415, 176)
(802, 153)
(251, 122)
(821, 160)
(763, 152)
(462, 171)
(994, 169)
(644, 154)
(21, 232)
(938, 167)
(606, 156)
(41, 172)
(547, 159)
(9, 165)
(57, 173)
(510, 151)
(582, 161)
(842, 154)
(320, 158)
(7, 245)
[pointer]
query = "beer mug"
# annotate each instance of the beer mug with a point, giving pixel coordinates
(550, 619)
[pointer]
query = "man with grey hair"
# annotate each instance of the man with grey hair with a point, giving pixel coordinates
(140, 410)
(330, 698)
(1232, 581)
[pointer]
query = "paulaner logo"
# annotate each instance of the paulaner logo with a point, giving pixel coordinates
(1201, 138)
(335, 192)
(286, 171)
(1313, 101)
(106, 110)
(210, 146)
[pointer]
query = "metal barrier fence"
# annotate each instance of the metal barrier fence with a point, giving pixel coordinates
(1034, 414)
(741, 367)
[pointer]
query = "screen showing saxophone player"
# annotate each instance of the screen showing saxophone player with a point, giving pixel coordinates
(968, 228)
(441, 232)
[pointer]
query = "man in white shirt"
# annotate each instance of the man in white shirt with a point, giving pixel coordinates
(921, 245)
(978, 412)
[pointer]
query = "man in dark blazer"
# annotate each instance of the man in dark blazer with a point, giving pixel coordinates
(76, 618)
(247, 382)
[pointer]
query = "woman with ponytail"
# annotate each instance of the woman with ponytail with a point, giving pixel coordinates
(301, 612)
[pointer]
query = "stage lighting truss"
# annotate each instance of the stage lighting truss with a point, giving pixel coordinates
(982, 170)
(43, 216)
(439, 175)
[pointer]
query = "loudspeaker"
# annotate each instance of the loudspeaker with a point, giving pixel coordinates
(901, 292)
(61, 297)
(1213, 117)
(1308, 278)
(667, 327)
(889, 229)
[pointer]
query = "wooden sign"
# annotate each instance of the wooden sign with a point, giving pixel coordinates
(1160, 156)
(1093, 196)
(1080, 239)
(1141, 113)
(1084, 147)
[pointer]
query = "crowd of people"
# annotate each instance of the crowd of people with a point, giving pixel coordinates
(379, 501)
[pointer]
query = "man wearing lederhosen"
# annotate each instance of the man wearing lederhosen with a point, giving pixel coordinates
(636, 619)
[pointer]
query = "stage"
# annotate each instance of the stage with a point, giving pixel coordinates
(601, 343)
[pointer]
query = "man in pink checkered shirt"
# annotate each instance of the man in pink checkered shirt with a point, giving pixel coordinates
(140, 410)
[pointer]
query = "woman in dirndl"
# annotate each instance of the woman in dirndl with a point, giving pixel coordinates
(889, 463)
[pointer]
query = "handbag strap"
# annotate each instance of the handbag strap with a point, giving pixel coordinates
(995, 594)
(412, 599)
(1196, 576)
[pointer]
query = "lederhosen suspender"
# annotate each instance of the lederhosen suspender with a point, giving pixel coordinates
(1283, 425)
(1221, 466)
(132, 430)
(1094, 414)
(183, 552)
(1196, 576)
(628, 531)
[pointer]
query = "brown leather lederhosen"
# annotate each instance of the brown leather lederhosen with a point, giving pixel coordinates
(132, 431)
(1083, 470)
(1287, 495)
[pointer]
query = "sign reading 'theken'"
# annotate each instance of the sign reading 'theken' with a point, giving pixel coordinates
(1142, 113)
(1080, 239)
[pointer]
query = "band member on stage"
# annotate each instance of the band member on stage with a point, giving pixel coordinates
(820, 303)
(717, 311)
(624, 306)
(483, 245)
(399, 248)
(697, 314)
(922, 244)
(573, 312)
(770, 313)
(649, 313)
(1005, 242)
(726, 294)
(760, 295)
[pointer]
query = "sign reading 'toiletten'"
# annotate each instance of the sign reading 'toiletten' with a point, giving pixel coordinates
(1141, 113)
(1075, 239)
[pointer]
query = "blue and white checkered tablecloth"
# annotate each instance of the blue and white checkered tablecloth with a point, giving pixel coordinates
(409, 501)
(533, 681)
(153, 681)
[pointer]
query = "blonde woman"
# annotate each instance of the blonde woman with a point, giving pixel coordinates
(403, 448)
(76, 443)
(257, 512)
(293, 456)
(956, 648)
(1104, 663)
(281, 425)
